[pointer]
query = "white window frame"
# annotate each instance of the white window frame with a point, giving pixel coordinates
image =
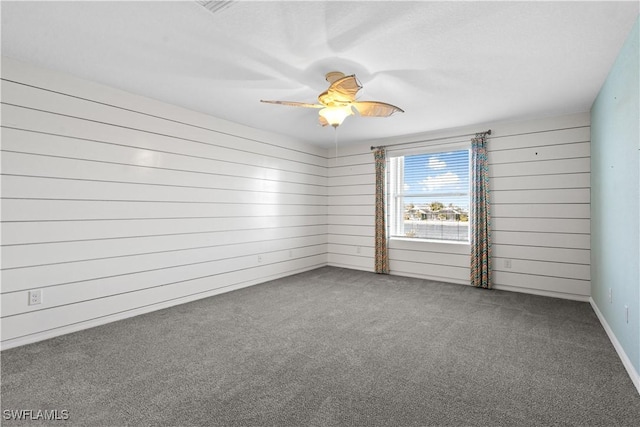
(395, 198)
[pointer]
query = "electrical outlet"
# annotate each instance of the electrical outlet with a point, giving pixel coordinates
(35, 297)
(507, 263)
(610, 299)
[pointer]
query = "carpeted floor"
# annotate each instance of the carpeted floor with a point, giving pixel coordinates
(334, 347)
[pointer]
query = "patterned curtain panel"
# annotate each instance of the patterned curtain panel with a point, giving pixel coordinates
(381, 258)
(480, 218)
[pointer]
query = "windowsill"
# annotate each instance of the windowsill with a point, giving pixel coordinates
(417, 239)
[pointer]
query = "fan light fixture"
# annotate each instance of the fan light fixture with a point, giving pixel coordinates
(335, 115)
(339, 101)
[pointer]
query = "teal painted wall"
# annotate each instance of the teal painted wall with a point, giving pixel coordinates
(615, 194)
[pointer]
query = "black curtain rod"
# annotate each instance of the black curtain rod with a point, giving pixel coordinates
(486, 132)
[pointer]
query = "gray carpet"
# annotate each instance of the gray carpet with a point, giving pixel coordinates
(334, 347)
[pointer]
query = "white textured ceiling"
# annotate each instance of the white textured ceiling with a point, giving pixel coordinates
(447, 64)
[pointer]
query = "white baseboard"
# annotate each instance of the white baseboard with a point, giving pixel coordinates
(635, 378)
(351, 267)
(542, 292)
(432, 278)
(41, 336)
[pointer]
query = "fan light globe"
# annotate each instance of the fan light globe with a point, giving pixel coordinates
(336, 115)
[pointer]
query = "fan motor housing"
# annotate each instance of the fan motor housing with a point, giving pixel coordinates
(332, 76)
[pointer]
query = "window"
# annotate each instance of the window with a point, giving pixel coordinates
(430, 196)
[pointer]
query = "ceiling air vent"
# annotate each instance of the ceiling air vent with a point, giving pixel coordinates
(215, 6)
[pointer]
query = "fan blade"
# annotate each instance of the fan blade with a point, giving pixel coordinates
(376, 109)
(294, 104)
(341, 91)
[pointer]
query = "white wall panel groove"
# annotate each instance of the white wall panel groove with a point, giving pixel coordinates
(42, 142)
(566, 181)
(37, 187)
(352, 170)
(35, 254)
(20, 326)
(406, 244)
(84, 150)
(348, 180)
(540, 154)
(545, 268)
(365, 200)
(537, 253)
(543, 240)
(30, 164)
(437, 272)
(428, 257)
(541, 210)
(60, 210)
(549, 167)
(351, 230)
(356, 262)
(542, 225)
(547, 196)
(60, 104)
(352, 190)
(543, 138)
(350, 240)
(364, 251)
(540, 206)
(115, 204)
(72, 292)
(572, 288)
(360, 220)
(41, 276)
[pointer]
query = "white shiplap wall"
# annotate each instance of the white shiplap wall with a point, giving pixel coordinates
(540, 199)
(114, 204)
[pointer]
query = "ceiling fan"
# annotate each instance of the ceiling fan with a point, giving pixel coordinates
(339, 101)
